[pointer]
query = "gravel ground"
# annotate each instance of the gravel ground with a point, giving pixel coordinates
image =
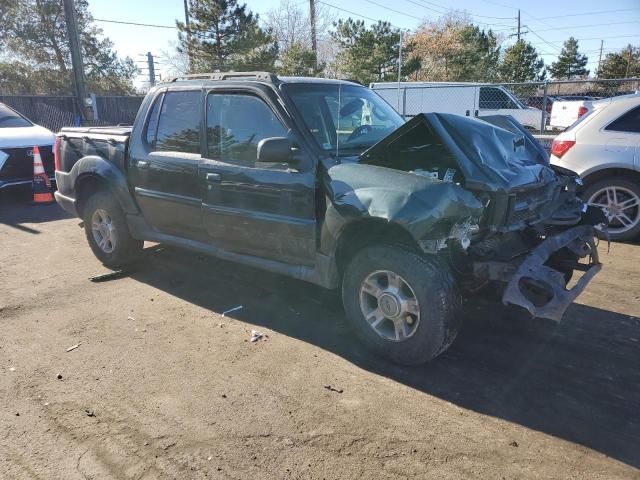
(163, 385)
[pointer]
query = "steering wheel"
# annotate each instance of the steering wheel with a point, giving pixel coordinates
(358, 132)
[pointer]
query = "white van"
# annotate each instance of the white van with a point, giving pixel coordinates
(470, 99)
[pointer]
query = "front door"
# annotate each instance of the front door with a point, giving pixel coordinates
(264, 210)
(164, 170)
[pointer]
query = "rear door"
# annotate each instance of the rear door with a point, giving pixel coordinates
(623, 138)
(264, 210)
(164, 172)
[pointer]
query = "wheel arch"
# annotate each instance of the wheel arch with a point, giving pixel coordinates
(93, 173)
(602, 174)
(366, 232)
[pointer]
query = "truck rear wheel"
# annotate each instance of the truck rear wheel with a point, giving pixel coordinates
(107, 233)
(401, 305)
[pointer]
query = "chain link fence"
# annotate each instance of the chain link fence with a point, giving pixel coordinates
(55, 112)
(531, 103)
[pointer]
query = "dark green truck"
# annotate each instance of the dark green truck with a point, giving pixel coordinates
(321, 180)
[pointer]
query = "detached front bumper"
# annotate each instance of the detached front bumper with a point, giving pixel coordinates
(534, 271)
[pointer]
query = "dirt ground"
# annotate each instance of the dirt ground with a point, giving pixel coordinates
(163, 386)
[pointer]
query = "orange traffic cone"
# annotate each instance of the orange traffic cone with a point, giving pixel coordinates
(41, 184)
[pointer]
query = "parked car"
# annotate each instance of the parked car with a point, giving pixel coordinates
(567, 109)
(467, 99)
(537, 101)
(603, 146)
(323, 181)
(18, 136)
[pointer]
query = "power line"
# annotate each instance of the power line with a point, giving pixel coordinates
(576, 26)
(562, 16)
(348, 11)
(470, 13)
(393, 10)
(122, 22)
(445, 11)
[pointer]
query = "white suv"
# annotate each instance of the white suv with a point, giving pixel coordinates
(603, 147)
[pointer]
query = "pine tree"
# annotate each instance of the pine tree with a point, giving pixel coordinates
(298, 60)
(224, 35)
(521, 63)
(625, 63)
(368, 54)
(570, 62)
(477, 57)
(33, 39)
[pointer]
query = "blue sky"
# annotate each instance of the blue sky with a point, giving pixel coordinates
(549, 22)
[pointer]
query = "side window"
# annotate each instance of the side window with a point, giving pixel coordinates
(493, 99)
(629, 122)
(152, 124)
(235, 125)
(179, 123)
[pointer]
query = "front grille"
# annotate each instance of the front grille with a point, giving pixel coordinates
(527, 205)
(20, 163)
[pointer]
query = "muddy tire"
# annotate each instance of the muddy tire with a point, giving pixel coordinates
(619, 198)
(107, 233)
(403, 306)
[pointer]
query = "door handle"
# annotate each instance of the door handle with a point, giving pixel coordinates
(213, 177)
(142, 164)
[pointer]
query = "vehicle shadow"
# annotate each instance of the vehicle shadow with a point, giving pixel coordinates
(16, 210)
(579, 380)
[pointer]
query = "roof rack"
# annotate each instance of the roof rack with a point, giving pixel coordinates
(261, 76)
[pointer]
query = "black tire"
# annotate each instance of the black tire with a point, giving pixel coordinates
(623, 183)
(126, 249)
(434, 288)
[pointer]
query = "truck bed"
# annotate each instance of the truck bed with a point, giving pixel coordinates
(109, 142)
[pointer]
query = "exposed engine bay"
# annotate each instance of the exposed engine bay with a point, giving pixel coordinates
(532, 231)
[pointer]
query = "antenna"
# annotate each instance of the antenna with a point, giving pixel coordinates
(338, 125)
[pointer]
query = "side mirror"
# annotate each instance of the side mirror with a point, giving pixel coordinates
(275, 150)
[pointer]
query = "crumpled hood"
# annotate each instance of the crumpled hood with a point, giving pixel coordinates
(417, 203)
(490, 157)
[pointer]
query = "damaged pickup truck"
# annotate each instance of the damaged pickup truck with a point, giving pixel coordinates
(322, 180)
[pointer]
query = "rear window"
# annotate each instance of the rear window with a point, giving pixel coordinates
(629, 122)
(11, 119)
(179, 123)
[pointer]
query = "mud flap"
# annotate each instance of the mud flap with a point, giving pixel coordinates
(578, 239)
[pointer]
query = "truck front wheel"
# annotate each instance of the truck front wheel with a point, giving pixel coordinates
(107, 233)
(402, 305)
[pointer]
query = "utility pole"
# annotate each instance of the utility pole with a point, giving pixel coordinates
(626, 75)
(518, 25)
(600, 58)
(152, 70)
(186, 24)
(314, 40)
(76, 61)
(399, 67)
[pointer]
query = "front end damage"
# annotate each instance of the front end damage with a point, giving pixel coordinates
(532, 232)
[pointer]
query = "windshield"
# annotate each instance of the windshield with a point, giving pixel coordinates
(343, 118)
(10, 119)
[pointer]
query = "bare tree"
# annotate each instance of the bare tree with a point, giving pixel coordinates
(291, 26)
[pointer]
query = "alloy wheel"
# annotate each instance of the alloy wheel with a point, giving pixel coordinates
(103, 230)
(389, 305)
(620, 205)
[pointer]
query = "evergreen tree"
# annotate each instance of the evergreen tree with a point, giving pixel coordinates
(368, 54)
(37, 59)
(571, 63)
(224, 35)
(625, 63)
(299, 60)
(521, 63)
(477, 58)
